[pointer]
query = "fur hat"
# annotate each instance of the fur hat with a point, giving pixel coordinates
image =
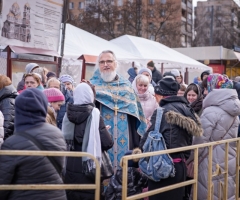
(151, 64)
(4, 81)
(167, 86)
(53, 95)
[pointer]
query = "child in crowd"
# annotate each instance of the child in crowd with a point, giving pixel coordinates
(136, 180)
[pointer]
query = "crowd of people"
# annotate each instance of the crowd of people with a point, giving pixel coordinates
(111, 115)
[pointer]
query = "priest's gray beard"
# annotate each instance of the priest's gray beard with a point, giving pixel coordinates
(108, 76)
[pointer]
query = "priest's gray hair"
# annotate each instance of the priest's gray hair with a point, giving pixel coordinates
(106, 51)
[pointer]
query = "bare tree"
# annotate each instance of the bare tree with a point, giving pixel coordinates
(217, 26)
(107, 20)
(163, 25)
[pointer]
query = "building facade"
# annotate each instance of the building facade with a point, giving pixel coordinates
(166, 21)
(217, 23)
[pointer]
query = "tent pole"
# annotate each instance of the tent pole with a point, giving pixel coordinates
(162, 68)
(64, 19)
(186, 76)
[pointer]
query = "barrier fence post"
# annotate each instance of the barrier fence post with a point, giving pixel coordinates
(226, 172)
(195, 185)
(97, 180)
(210, 189)
(124, 182)
(237, 169)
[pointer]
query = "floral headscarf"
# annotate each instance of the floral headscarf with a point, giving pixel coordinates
(218, 81)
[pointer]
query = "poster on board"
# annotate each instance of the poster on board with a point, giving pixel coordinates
(31, 23)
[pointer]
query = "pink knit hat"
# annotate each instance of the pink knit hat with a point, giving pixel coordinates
(54, 95)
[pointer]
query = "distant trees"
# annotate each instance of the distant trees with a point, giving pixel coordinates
(217, 26)
(155, 20)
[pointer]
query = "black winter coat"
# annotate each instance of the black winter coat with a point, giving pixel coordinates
(7, 103)
(32, 169)
(78, 115)
(156, 75)
(179, 124)
(68, 99)
(136, 182)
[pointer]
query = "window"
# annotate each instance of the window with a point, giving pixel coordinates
(120, 16)
(219, 8)
(120, 2)
(119, 27)
(151, 2)
(209, 8)
(71, 5)
(189, 28)
(183, 40)
(163, 1)
(150, 26)
(81, 5)
(189, 16)
(151, 13)
(162, 13)
(152, 37)
(184, 13)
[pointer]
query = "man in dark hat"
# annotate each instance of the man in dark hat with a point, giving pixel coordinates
(156, 75)
(179, 124)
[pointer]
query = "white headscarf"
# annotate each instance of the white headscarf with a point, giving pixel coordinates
(83, 94)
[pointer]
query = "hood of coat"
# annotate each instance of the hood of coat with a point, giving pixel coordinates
(30, 109)
(79, 113)
(132, 72)
(184, 118)
(8, 92)
(193, 127)
(226, 99)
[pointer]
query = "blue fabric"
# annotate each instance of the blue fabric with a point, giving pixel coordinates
(123, 92)
(132, 74)
(30, 109)
(68, 99)
(160, 166)
(121, 137)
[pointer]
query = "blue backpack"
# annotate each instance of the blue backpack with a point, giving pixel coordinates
(160, 166)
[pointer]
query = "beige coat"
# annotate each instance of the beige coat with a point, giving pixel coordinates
(219, 121)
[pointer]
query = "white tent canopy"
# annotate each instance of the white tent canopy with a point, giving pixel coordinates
(150, 50)
(79, 42)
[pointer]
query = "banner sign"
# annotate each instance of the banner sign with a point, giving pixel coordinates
(34, 23)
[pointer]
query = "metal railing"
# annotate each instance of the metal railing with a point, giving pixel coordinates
(194, 181)
(95, 186)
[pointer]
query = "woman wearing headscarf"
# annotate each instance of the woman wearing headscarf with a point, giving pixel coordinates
(147, 72)
(77, 114)
(194, 96)
(149, 104)
(219, 120)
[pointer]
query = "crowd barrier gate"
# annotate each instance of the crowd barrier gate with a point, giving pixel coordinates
(125, 159)
(95, 186)
(194, 181)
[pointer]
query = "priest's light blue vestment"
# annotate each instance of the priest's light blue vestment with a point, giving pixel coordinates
(121, 109)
